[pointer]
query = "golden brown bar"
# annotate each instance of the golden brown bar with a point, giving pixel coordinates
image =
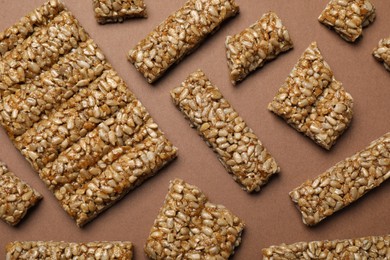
(382, 52)
(112, 11)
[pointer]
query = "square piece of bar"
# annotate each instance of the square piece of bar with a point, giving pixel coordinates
(382, 52)
(16, 196)
(344, 183)
(179, 35)
(237, 147)
(312, 101)
(254, 46)
(190, 227)
(112, 11)
(348, 17)
(65, 250)
(72, 117)
(372, 247)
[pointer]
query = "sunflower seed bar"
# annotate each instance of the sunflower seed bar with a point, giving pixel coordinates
(65, 250)
(382, 52)
(190, 227)
(348, 17)
(16, 196)
(372, 247)
(54, 87)
(111, 11)
(253, 47)
(237, 147)
(17, 33)
(179, 35)
(344, 183)
(40, 51)
(312, 101)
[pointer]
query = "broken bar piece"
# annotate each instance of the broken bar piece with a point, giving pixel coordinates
(190, 227)
(237, 147)
(179, 35)
(372, 247)
(382, 52)
(112, 11)
(312, 101)
(16, 196)
(348, 17)
(253, 47)
(344, 183)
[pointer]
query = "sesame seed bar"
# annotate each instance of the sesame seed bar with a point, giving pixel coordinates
(254, 46)
(382, 52)
(344, 183)
(312, 101)
(112, 11)
(66, 250)
(237, 147)
(190, 227)
(348, 17)
(372, 247)
(179, 35)
(73, 71)
(16, 196)
(76, 118)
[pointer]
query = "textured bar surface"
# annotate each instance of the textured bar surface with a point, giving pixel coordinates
(382, 52)
(372, 247)
(237, 147)
(16, 196)
(312, 101)
(253, 47)
(348, 17)
(65, 250)
(73, 118)
(112, 11)
(344, 183)
(179, 35)
(190, 227)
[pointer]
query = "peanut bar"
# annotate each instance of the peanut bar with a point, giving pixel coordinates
(253, 47)
(237, 147)
(344, 183)
(179, 35)
(112, 11)
(382, 52)
(190, 227)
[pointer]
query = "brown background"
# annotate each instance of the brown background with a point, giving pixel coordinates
(270, 215)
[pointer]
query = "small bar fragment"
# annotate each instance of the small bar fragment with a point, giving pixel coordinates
(382, 52)
(113, 11)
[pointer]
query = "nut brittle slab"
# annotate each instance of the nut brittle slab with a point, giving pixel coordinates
(312, 101)
(344, 183)
(190, 227)
(73, 118)
(253, 47)
(382, 52)
(111, 11)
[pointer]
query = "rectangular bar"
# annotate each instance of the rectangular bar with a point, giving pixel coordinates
(253, 47)
(112, 11)
(371, 247)
(43, 142)
(66, 250)
(190, 227)
(238, 148)
(36, 101)
(179, 35)
(344, 183)
(16, 196)
(382, 52)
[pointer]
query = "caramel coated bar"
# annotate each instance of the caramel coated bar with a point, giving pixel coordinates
(312, 101)
(348, 17)
(190, 227)
(112, 11)
(253, 47)
(237, 147)
(179, 35)
(382, 52)
(372, 247)
(65, 250)
(16, 196)
(344, 183)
